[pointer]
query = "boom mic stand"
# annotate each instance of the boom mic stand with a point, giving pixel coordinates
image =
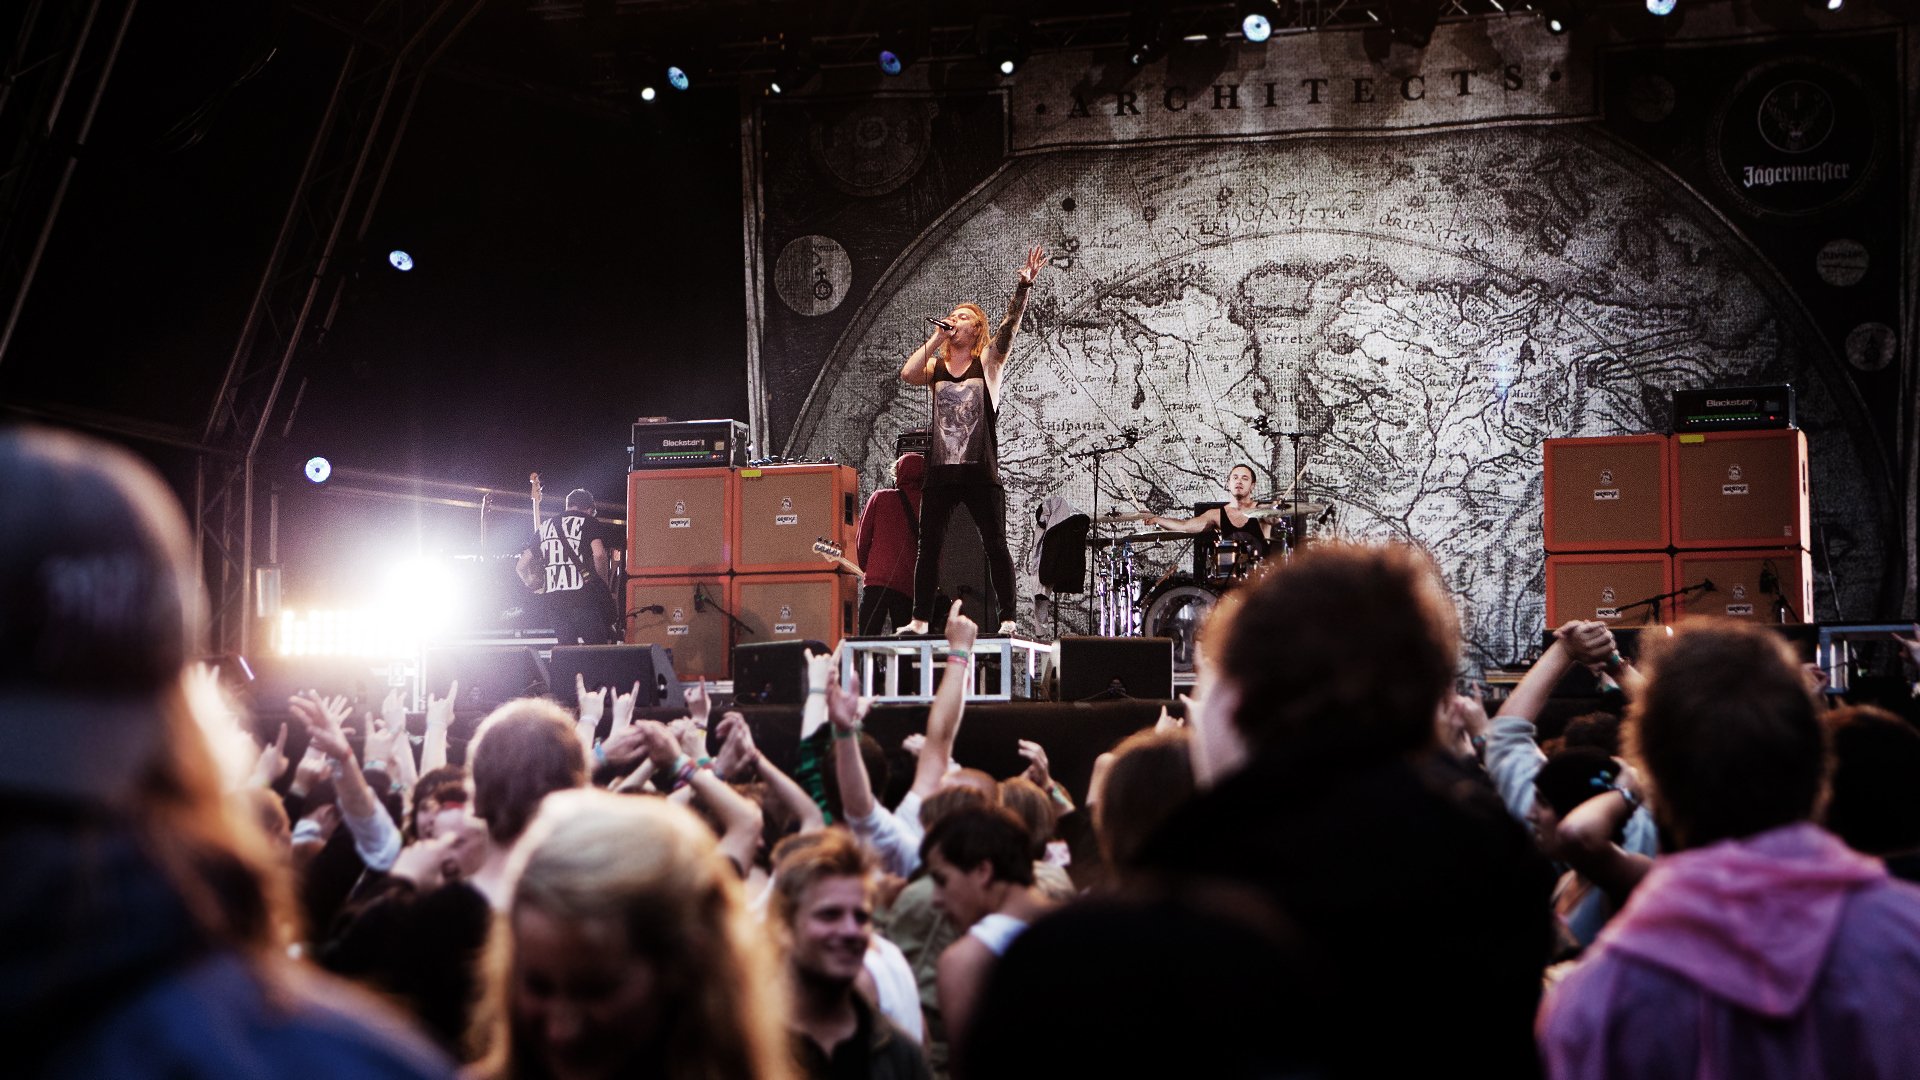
(1132, 437)
(1705, 585)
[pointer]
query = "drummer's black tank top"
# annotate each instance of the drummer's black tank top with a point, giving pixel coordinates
(1247, 534)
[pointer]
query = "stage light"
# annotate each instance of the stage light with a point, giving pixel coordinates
(793, 69)
(889, 61)
(318, 469)
(400, 260)
(1004, 42)
(1661, 7)
(677, 78)
(1257, 19)
(1830, 5)
(647, 93)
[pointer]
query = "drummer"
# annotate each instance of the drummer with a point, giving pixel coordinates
(1230, 519)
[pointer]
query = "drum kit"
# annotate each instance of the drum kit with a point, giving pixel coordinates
(1127, 603)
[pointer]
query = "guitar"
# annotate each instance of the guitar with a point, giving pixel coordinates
(834, 553)
(534, 576)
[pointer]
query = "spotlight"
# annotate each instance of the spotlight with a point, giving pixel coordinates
(793, 68)
(318, 469)
(677, 78)
(1257, 19)
(1828, 5)
(1661, 7)
(1146, 36)
(902, 42)
(1559, 15)
(890, 62)
(1004, 42)
(400, 260)
(647, 93)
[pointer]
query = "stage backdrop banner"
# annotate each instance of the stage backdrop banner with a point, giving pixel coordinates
(1427, 263)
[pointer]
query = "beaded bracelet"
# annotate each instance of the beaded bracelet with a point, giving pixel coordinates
(848, 733)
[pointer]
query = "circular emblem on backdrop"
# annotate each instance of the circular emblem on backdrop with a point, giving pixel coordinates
(812, 274)
(874, 147)
(1797, 136)
(1870, 346)
(1841, 262)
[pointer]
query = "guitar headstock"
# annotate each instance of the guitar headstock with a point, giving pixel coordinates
(828, 548)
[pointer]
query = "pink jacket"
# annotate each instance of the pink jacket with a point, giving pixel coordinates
(1784, 955)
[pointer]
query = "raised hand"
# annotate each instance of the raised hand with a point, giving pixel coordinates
(699, 705)
(381, 737)
(440, 710)
(659, 743)
(623, 710)
(737, 752)
(961, 631)
(593, 703)
(691, 737)
(312, 769)
(845, 708)
(1036, 756)
(272, 762)
(1911, 644)
(914, 743)
(819, 666)
(393, 710)
(325, 721)
(1036, 258)
(1588, 642)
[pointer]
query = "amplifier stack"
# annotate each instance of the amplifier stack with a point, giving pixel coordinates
(725, 556)
(1720, 518)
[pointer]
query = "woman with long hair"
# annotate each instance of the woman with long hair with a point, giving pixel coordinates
(630, 952)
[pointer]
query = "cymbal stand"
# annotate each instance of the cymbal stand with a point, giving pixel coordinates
(1131, 437)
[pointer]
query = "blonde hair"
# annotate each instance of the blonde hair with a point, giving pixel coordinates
(653, 869)
(979, 339)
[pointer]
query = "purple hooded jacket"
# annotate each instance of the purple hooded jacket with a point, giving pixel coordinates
(1785, 954)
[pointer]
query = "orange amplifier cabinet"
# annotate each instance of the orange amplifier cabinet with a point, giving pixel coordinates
(1606, 494)
(679, 522)
(821, 605)
(686, 616)
(1748, 584)
(782, 510)
(1597, 587)
(1735, 489)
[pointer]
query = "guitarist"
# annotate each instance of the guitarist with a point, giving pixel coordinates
(574, 553)
(888, 546)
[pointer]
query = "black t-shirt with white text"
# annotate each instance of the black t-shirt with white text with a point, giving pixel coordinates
(575, 531)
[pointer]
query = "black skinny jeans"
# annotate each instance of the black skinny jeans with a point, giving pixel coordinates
(988, 505)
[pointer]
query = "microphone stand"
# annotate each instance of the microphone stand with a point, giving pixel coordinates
(1705, 586)
(1132, 439)
(700, 598)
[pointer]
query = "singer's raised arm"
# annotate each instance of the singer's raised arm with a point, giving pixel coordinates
(994, 361)
(918, 370)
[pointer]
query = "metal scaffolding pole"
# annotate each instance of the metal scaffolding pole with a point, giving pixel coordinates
(388, 57)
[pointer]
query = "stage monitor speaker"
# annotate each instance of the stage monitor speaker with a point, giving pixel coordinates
(1606, 494)
(773, 672)
(1604, 586)
(617, 667)
(274, 679)
(781, 510)
(687, 616)
(820, 606)
(1756, 586)
(679, 522)
(1096, 668)
(1740, 489)
(489, 674)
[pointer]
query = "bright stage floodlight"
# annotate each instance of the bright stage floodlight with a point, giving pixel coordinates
(318, 469)
(677, 78)
(647, 93)
(1661, 7)
(400, 260)
(889, 62)
(1256, 20)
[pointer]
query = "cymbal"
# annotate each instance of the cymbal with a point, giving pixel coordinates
(1137, 538)
(1114, 517)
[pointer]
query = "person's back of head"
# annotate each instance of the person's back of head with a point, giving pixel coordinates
(973, 835)
(948, 799)
(1151, 777)
(1876, 776)
(910, 471)
(1340, 657)
(1598, 730)
(523, 751)
(645, 878)
(1033, 807)
(1573, 775)
(1727, 732)
(579, 501)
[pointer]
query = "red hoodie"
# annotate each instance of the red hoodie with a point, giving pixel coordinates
(888, 545)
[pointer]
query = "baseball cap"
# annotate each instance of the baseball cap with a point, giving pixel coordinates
(99, 613)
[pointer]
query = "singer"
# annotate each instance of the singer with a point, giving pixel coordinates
(963, 369)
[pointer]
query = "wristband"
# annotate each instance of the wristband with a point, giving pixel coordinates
(812, 690)
(961, 653)
(1613, 660)
(703, 763)
(1627, 795)
(376, 765)
(848, 733)
(599, 754)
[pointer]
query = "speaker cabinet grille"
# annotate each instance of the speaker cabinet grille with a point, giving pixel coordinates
(1748, 584)
(1606, 494)
(690, 623)
(795, 607)
(1599, 587)
(678, 521)
(1734, 489)
(781, 511)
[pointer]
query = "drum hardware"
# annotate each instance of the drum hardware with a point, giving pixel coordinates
(1115, 517)
(1137, 538)
(1176, 609)
(1282, 509)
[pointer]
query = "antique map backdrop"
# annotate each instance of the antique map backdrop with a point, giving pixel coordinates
(1425, 305)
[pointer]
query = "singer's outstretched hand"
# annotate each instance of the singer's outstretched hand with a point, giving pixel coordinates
(1036, 258)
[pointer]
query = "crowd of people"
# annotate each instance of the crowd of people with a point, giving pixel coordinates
(1327, 862)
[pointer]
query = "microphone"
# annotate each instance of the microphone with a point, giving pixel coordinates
(1706, 585)
(1769, 581)
(941, 323)
(699, 599)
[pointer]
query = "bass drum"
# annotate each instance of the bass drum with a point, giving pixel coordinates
(1176, 610)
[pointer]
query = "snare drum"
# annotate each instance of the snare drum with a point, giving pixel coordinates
(1230, 561)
